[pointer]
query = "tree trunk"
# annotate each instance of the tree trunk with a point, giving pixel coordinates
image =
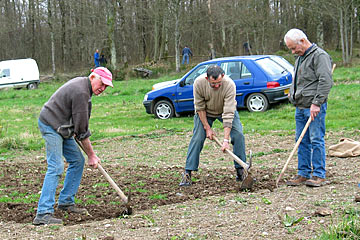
(175, 9)
(123, 34)
(320, 31)
(111, 7)
(177, 41)
(211, 43)
(50, 23)
(156, 39)
(223, 37)
(32, 27)
(63, 13)
(163, 37)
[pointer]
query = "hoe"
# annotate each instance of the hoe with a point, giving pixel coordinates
(248, 181)
(126, 200)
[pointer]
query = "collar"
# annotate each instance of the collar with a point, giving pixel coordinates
(309, 49)
(90, 87)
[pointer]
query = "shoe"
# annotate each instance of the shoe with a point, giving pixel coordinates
(186, 180)
(46, 218)
(315, 182)
(239, 174)
(73, 209)
(298, 180)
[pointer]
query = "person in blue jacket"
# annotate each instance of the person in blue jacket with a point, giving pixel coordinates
(97, 58)
(186, 53)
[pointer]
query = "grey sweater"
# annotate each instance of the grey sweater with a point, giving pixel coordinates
(69, 108)
(216, 103)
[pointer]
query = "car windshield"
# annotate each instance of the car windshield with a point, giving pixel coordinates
(271, 67)
(197, 72)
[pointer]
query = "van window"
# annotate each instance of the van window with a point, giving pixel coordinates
(5, 72)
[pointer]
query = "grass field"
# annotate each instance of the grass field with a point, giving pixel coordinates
(119, 112)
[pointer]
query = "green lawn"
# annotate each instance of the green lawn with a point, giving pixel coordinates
(119, 111)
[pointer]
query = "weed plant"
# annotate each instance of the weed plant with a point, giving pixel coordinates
(347, 228)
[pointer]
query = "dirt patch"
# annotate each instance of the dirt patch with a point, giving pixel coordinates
(150, 188)
(213, 208)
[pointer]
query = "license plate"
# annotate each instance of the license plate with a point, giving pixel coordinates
(286, 91)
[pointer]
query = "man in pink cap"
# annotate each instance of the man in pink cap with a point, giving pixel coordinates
(65, 116)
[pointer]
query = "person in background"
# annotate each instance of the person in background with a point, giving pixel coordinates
(247, 47)
(186, 53)
(65, 116)
(103, 61)
(214, 98)
(97, 58)
(309, 93)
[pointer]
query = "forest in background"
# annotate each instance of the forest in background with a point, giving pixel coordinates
(62, 35)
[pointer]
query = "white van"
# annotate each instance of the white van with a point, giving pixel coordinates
(19, 73)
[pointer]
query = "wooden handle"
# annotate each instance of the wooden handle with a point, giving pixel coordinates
(293, 151)
(112, 183)
(108, 178)
(236, 158)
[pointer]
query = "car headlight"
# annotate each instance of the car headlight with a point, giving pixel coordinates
(145, 97)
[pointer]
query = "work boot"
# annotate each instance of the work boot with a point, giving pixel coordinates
(186, 180)
(315, 182)
(46, 218)
(298, 180)
(72, 209)
(239, 174)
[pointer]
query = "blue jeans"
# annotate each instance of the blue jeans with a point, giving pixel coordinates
(56, 147)
(185, 57)
(311, 152)
(199, 136)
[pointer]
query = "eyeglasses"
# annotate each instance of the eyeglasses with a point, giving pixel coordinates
(216, 84)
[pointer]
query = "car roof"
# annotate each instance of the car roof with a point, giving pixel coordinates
(249, 57)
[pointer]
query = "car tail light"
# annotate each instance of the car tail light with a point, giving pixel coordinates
(272, 84)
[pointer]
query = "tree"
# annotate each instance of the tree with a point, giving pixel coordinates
(50, 23)
(174, 6)
(111, 19)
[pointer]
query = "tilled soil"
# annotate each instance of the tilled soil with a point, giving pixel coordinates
(149, 187)
(212, 208)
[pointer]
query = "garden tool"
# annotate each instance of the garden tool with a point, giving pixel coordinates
(297, 142)
(125, 199)
(293, 151)
(248, 181)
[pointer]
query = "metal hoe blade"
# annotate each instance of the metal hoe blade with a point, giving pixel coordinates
(248, 181)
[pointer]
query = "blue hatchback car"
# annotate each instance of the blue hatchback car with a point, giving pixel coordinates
(260, 80)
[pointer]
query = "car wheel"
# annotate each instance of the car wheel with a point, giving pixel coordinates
(257, 102)
(32, 86)
(164, 109)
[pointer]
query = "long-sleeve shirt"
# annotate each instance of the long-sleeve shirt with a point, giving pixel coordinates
(216, 103)
(187, 51)
(69, 108)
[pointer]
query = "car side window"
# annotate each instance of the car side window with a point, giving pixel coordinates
(245, 73)
(232, 69)
(197, 72)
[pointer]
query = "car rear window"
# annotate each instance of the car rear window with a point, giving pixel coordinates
(270, 66)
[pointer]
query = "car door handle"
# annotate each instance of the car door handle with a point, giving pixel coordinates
(246, 83)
